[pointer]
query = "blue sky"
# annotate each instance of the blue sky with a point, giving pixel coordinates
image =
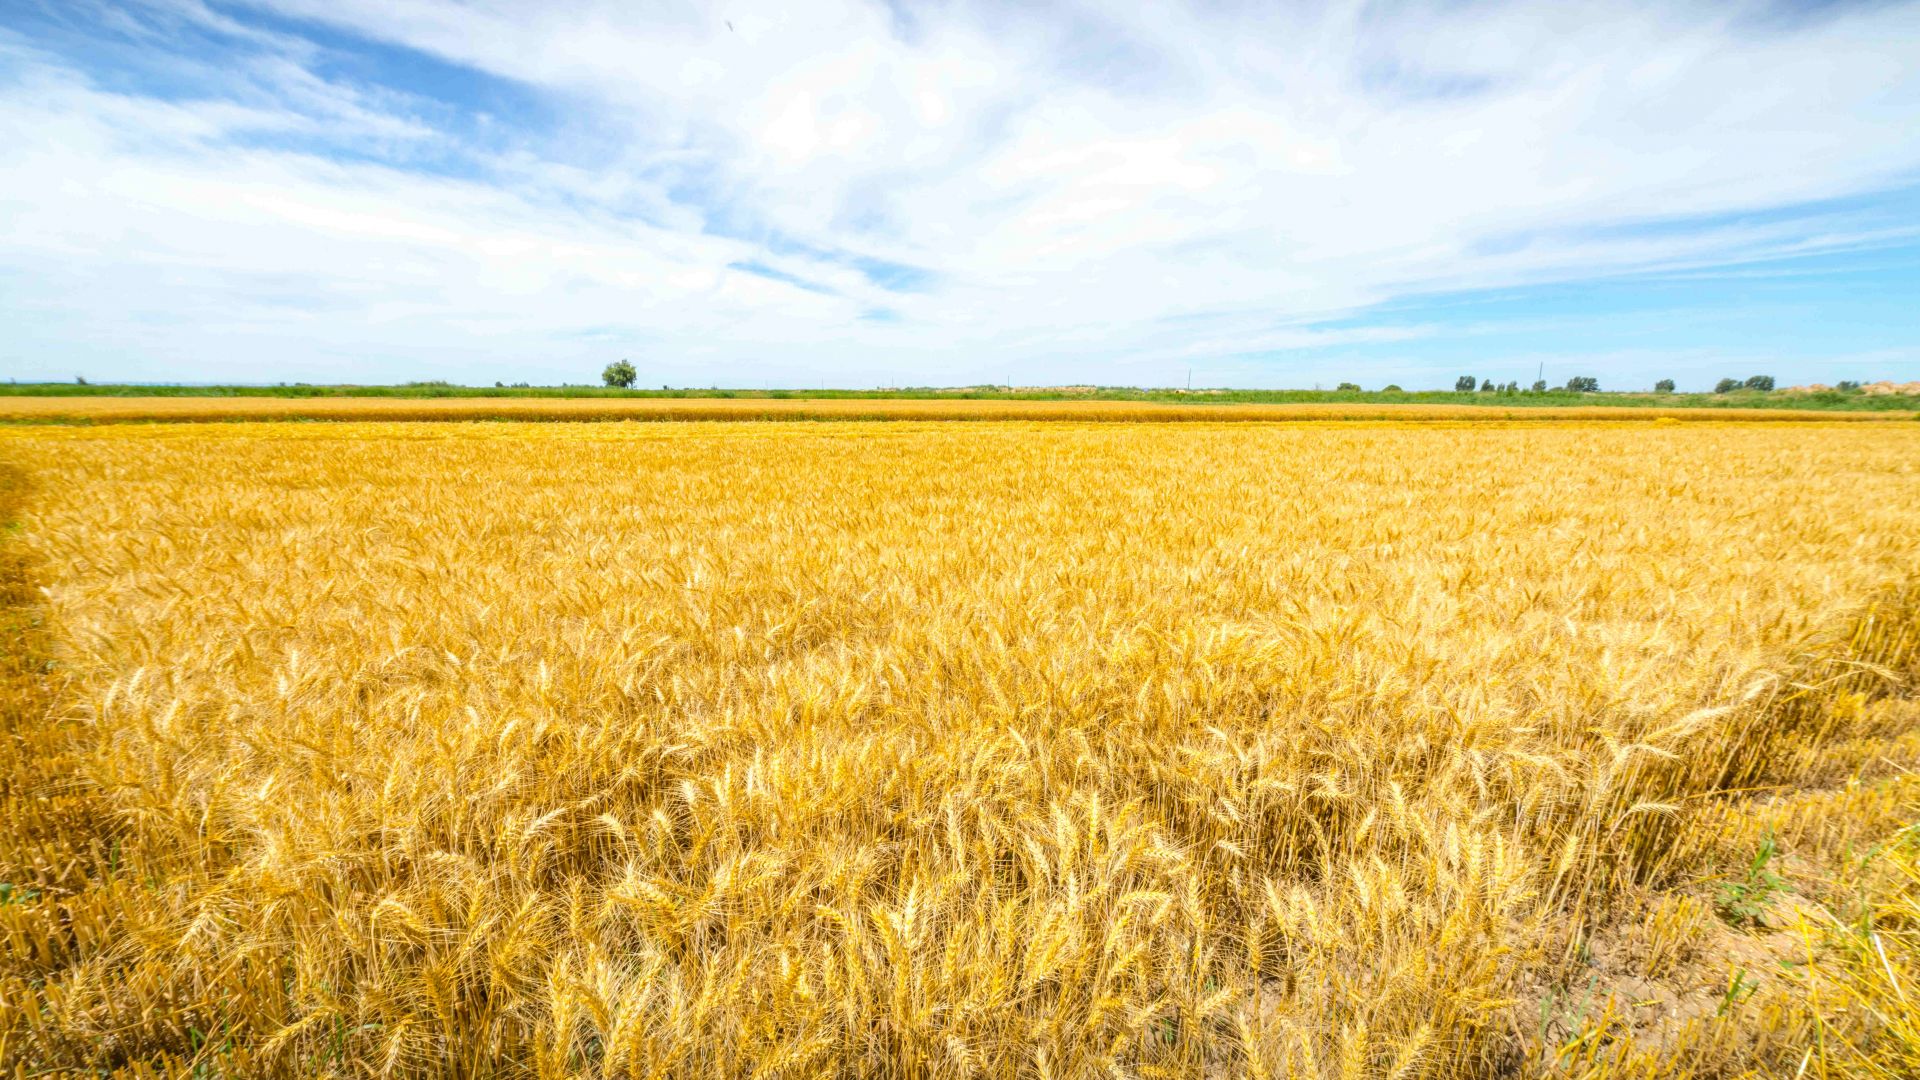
(851, 194)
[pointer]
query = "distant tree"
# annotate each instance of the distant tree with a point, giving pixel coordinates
(1486, 385)
(1539, 386)
(1726, 386)
(1760, 382)
(619, 374)
(1847, 385)
(1352, 387)
(1392, 388)
(1583, 384)
(1465, 384)
(80, 380)
(1664, 386)
(1510, 389)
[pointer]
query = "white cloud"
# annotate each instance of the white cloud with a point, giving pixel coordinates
(1085, 191)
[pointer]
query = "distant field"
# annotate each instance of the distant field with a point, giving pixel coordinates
(122, 409)
(1882, 397)
(920, 750)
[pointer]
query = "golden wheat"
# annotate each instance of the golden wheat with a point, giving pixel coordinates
(1012, 750)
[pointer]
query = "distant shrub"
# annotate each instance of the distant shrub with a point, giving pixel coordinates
(1486, 385)
(1465, 384)
(1760, 382)
(1847, 386)
(1392, 388)
(619, 374)
(1539, 386)
(1583, 384)
(1664, 386)
(1353, 387)
(1726, 386)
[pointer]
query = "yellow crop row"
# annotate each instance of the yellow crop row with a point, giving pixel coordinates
(933, 750)
(186, 409)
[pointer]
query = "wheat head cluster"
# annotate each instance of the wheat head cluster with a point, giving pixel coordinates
(1007, 750)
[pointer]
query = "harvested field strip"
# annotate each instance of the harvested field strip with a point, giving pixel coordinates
(103, 410)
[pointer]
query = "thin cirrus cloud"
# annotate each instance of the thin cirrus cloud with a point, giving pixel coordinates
(853, 194)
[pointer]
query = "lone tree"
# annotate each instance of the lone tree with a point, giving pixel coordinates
(1664, 386)
(1465, 384)
(1349, 387)
(1726, 386)
(620, 375)
(1584, 384)
(1760, 382)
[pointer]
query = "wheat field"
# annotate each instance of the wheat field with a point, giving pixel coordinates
(1009, 750)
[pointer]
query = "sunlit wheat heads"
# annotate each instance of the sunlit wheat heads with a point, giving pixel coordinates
(941, 750)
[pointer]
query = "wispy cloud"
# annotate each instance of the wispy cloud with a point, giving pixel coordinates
(861, 193)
